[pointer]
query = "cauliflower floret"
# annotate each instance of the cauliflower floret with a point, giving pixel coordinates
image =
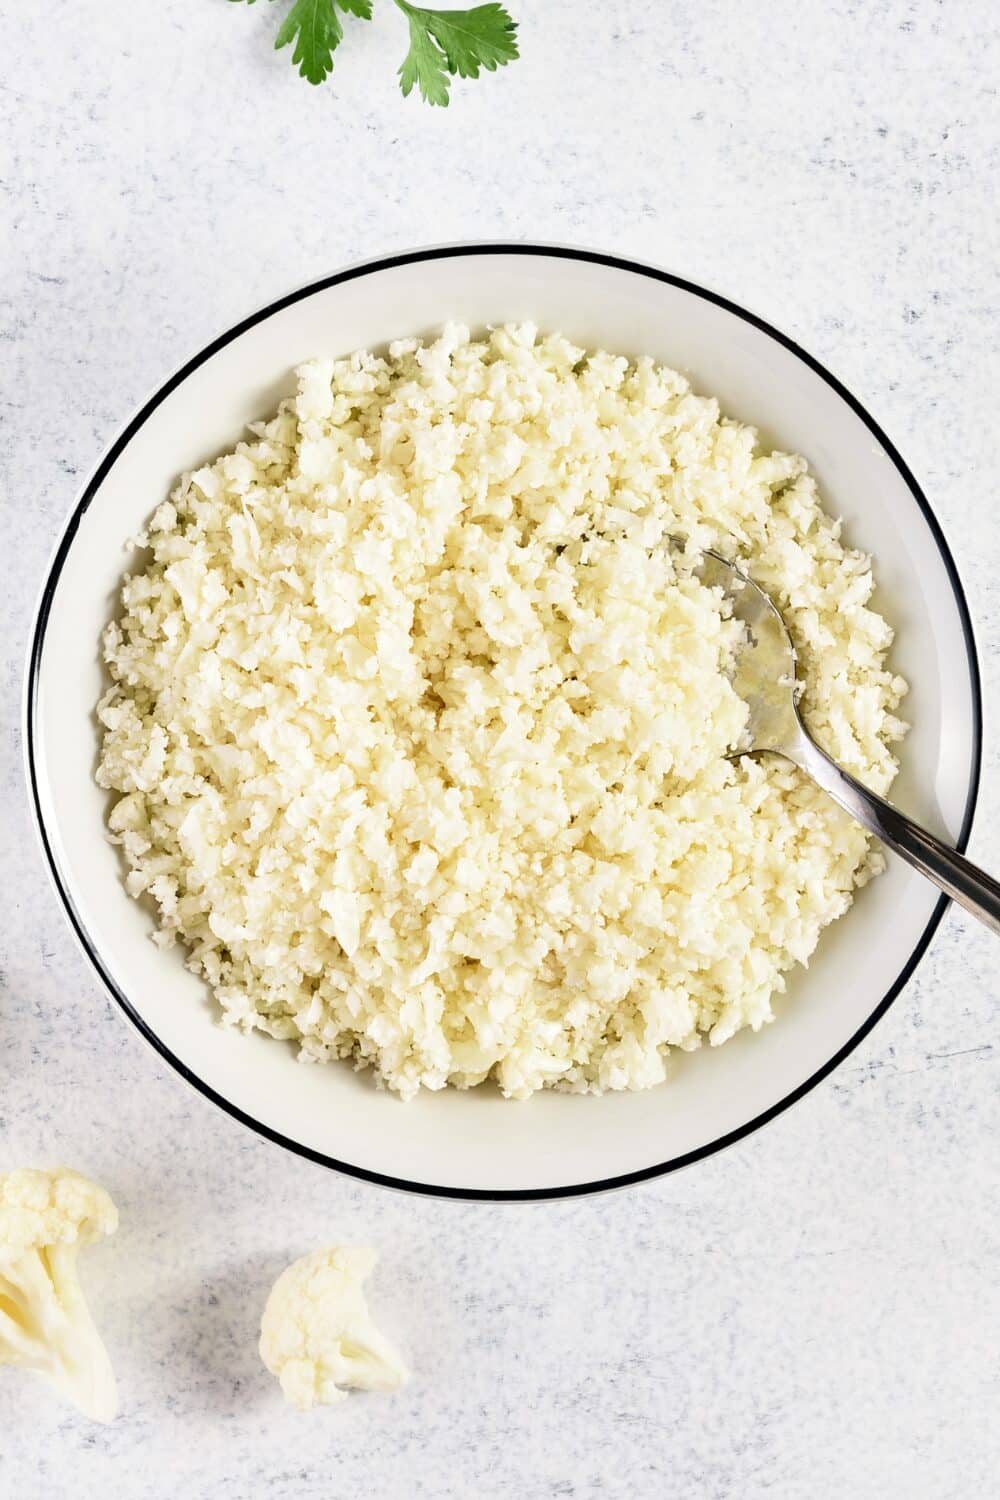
(45, 1324)
(317, 1336)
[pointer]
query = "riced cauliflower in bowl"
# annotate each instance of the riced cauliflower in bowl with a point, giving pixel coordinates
(420, 721)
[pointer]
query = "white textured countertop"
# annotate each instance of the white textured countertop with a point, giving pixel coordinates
(812, 1314)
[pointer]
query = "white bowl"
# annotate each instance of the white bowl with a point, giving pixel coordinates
(476, 1144)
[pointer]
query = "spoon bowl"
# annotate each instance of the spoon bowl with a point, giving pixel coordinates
(766, 679)
(766, 668)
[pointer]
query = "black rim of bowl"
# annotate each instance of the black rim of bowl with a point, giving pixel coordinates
(94, 483)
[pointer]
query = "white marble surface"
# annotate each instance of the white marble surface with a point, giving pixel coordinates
(813, 1314)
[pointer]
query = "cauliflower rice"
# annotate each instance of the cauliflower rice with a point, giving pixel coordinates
(419, 721)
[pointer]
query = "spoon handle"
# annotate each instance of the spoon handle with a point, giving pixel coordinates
(951, 871)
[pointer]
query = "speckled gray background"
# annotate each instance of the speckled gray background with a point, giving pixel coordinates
(813, 1314)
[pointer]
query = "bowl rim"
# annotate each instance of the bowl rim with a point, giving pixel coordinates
(61, 550)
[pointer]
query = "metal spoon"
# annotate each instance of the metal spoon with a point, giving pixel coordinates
(765, 679)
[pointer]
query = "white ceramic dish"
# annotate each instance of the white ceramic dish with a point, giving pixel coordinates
(476, 1144)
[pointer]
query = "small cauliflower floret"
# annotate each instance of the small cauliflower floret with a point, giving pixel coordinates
(45, 1324)
(317, 1336)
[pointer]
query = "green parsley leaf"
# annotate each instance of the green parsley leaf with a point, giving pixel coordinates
(314, 27)
(469, 40)
(426, 65)
(444, 44)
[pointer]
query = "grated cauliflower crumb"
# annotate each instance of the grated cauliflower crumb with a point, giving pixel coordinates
(418, 720)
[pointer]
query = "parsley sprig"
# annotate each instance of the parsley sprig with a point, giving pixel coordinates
(444, 44)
